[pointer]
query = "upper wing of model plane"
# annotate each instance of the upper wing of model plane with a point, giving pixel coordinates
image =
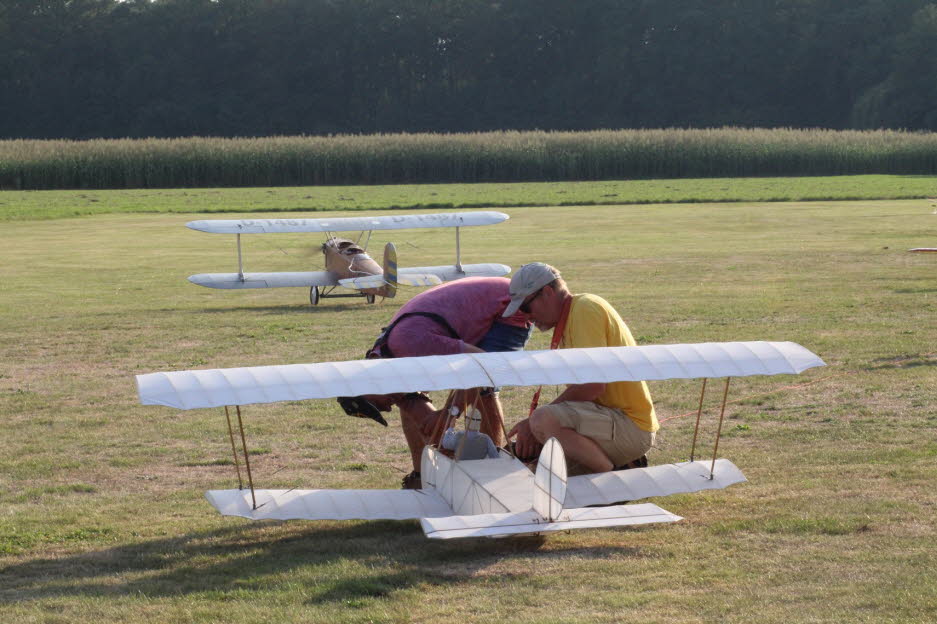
(292, 382)
(348, 224)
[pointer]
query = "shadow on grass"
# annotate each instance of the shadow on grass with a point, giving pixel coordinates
(908, 361)
(914, 291)
(342, 563)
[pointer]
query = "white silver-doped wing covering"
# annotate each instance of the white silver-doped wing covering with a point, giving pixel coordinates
(348, 224)
(606, 488)
(292, 382)
(329, 504)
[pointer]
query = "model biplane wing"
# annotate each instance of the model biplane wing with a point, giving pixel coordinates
(285, 279)
(293, 382)
(415, 276)
(347, 264)
(483, 497)
(348, 224)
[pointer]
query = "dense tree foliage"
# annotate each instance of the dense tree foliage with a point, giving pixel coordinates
(164, 68)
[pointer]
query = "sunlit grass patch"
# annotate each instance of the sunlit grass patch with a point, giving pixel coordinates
(794, 525)
(16, 541)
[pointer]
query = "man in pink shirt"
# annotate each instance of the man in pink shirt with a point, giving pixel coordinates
(464, 316)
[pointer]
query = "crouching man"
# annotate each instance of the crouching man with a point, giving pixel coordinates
(601, 426)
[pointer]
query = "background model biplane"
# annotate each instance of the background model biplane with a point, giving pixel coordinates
(481, 497)
(347, 262)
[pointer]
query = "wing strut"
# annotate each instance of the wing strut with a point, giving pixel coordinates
(237, 465)
(699, 413)
(722, 414)
(240, 263)
(247, 461)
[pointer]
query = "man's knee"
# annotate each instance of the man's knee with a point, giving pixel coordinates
(543, 424)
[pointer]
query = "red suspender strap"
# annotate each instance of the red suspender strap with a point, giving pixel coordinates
(558, 330)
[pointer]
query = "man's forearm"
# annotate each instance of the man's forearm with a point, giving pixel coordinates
(581, 392)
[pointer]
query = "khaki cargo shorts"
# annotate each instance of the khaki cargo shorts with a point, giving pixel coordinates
(621, 439)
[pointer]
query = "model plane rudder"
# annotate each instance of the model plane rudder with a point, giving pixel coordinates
(390, 270)
(550, 481)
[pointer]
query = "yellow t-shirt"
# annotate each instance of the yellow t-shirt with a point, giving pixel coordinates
(593, 322)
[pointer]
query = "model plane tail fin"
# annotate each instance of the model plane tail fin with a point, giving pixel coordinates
(550, 481)
(390, 271)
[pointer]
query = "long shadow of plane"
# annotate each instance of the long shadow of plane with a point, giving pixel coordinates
(393, 556)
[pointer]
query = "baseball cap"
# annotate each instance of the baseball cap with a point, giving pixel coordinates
(529, 279)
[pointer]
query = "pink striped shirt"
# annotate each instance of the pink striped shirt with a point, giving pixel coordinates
(470, 305)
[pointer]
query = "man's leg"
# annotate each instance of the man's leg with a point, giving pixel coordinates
(415, 410)
(492, 416)
(583, 450)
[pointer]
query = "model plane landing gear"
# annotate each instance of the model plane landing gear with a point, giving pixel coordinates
(370, 298)
(314, 295)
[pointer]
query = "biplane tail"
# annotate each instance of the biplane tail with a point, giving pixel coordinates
(548, 512)
(391, 277)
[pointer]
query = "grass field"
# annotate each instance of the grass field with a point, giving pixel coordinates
(16, 205)
(102, 512)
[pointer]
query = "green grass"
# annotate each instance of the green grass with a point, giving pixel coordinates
(104, 520)
(18, 205)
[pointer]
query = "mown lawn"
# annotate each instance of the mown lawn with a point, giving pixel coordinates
(15, 205)
(102, 511)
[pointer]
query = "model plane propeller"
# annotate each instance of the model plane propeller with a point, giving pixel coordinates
(347, 263)
(491, 496)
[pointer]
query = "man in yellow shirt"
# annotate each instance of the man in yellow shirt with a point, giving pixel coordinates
(601, 426)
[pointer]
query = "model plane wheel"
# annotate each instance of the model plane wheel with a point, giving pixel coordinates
(314, 295)
(370, 298)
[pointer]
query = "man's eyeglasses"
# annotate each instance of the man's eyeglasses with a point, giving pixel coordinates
(525, 307)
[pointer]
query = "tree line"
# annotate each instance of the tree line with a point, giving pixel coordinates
(81, 69)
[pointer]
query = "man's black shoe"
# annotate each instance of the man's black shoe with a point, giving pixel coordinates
(640, 462)
(412, 481)
(359, 407)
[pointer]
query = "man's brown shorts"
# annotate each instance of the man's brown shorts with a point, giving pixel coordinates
(621, 439)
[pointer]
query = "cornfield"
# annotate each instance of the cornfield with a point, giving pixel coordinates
(482, 157)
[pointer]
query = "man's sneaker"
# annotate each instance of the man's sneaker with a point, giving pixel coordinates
(640, 462)
(412, 481)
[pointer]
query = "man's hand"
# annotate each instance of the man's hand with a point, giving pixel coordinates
(526, 446)
(433, 421)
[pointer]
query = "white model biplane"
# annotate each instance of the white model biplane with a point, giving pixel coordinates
(481, 497)
(347, 263)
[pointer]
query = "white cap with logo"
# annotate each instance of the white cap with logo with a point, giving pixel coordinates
(529, 279)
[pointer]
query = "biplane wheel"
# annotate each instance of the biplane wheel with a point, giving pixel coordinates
(370, 298)
(314, 295)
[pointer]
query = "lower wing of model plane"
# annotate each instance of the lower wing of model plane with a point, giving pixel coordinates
(417, 276)
(304, 279)
(483, 498)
